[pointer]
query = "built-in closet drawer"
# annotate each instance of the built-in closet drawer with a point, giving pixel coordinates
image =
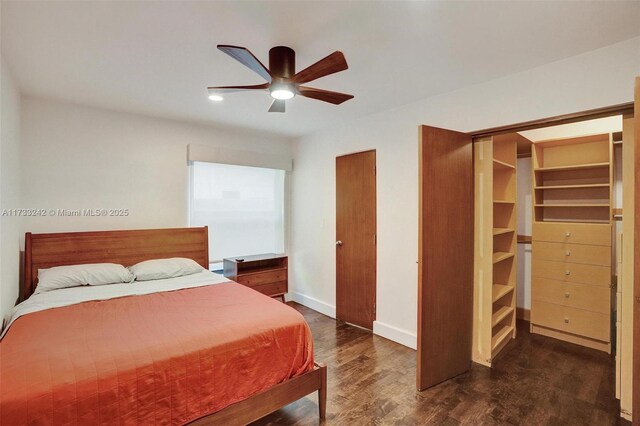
(573, 233)
(572, 272)
(571, 320)
(572, 253)
(582, 296)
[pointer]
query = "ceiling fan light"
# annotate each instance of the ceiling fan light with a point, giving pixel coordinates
(282, 93)
(216, 98)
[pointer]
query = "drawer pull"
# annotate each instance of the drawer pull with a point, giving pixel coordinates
(567, 253)
(567, 234)
(567, 295)
(567, 272)
(566, 320)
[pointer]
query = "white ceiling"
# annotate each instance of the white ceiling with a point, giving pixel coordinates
(158, 57)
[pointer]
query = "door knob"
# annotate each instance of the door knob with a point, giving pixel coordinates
(567, 234)
(567, 294)
(567, 253)
(338, 243)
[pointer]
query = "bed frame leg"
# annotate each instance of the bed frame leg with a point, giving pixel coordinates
(322, 392)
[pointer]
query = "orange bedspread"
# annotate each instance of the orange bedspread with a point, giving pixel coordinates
(161, 358)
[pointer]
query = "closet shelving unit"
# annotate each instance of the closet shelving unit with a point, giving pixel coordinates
(572, 235)
(572, 179)
(495, 245)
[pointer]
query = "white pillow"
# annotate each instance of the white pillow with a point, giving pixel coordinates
(77, 275)
(159, 269)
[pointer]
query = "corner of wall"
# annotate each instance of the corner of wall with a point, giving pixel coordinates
(10, 189)
(395, 334)
(313, 303)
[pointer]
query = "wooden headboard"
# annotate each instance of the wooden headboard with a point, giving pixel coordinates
(127, 248)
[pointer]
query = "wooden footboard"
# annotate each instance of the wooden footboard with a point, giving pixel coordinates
(272, 399)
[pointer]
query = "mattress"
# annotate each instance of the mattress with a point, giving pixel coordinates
(166, 356)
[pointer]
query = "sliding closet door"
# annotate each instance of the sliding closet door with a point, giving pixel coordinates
(445, 255)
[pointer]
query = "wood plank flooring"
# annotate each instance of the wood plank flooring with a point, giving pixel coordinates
(536, 381)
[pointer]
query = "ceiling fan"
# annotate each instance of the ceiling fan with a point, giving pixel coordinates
(282, 80)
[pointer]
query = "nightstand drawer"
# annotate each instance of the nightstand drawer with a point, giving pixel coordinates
(572, 253)
(571, 272)
(259, 278)
(574, 233)
(272, 289)
(588, 297)
(571, 320)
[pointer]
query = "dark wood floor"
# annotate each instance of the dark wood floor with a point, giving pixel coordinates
(535, 381)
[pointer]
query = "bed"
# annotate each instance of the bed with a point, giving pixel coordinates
(200, 350)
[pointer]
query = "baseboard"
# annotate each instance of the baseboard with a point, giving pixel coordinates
(387, 331)
(395, 334)
(523, 314)
(313, 303)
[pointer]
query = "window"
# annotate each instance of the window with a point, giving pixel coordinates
(242, 206)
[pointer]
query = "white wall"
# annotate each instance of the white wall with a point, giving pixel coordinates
(10, 195)
(599, 78)
(77, 157)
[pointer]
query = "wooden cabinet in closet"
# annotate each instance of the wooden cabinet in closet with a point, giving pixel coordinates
(494, 316)
(572, 236)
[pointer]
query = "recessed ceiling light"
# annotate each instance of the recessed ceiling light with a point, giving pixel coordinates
(216, 98)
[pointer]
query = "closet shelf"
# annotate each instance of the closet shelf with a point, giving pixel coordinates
(500, 290)
(572, 205)
(573, 167)
(574, 221)
(500, 231)
(590, 185)
(500, 336)
(499, 256)
(503, 202)
(500, 314)
(502, 165)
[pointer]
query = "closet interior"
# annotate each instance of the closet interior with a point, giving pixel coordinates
(545, 236)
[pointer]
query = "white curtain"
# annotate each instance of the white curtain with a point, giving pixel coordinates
(242, 206)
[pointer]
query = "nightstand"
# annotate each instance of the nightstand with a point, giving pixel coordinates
(266, 273)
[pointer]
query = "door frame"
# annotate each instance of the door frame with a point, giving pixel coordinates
(591, 114)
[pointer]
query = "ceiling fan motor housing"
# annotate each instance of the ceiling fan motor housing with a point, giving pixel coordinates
(282, 62)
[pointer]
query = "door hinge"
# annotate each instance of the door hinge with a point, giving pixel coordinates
(375, 238)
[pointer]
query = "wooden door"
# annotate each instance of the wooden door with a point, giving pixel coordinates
(356, 238)
(636, 267)
(445, 255)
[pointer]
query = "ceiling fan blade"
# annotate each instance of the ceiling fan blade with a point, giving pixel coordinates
(277, 105)
(231, 89)
(331, 64)
(335, 98)
(246, 58)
